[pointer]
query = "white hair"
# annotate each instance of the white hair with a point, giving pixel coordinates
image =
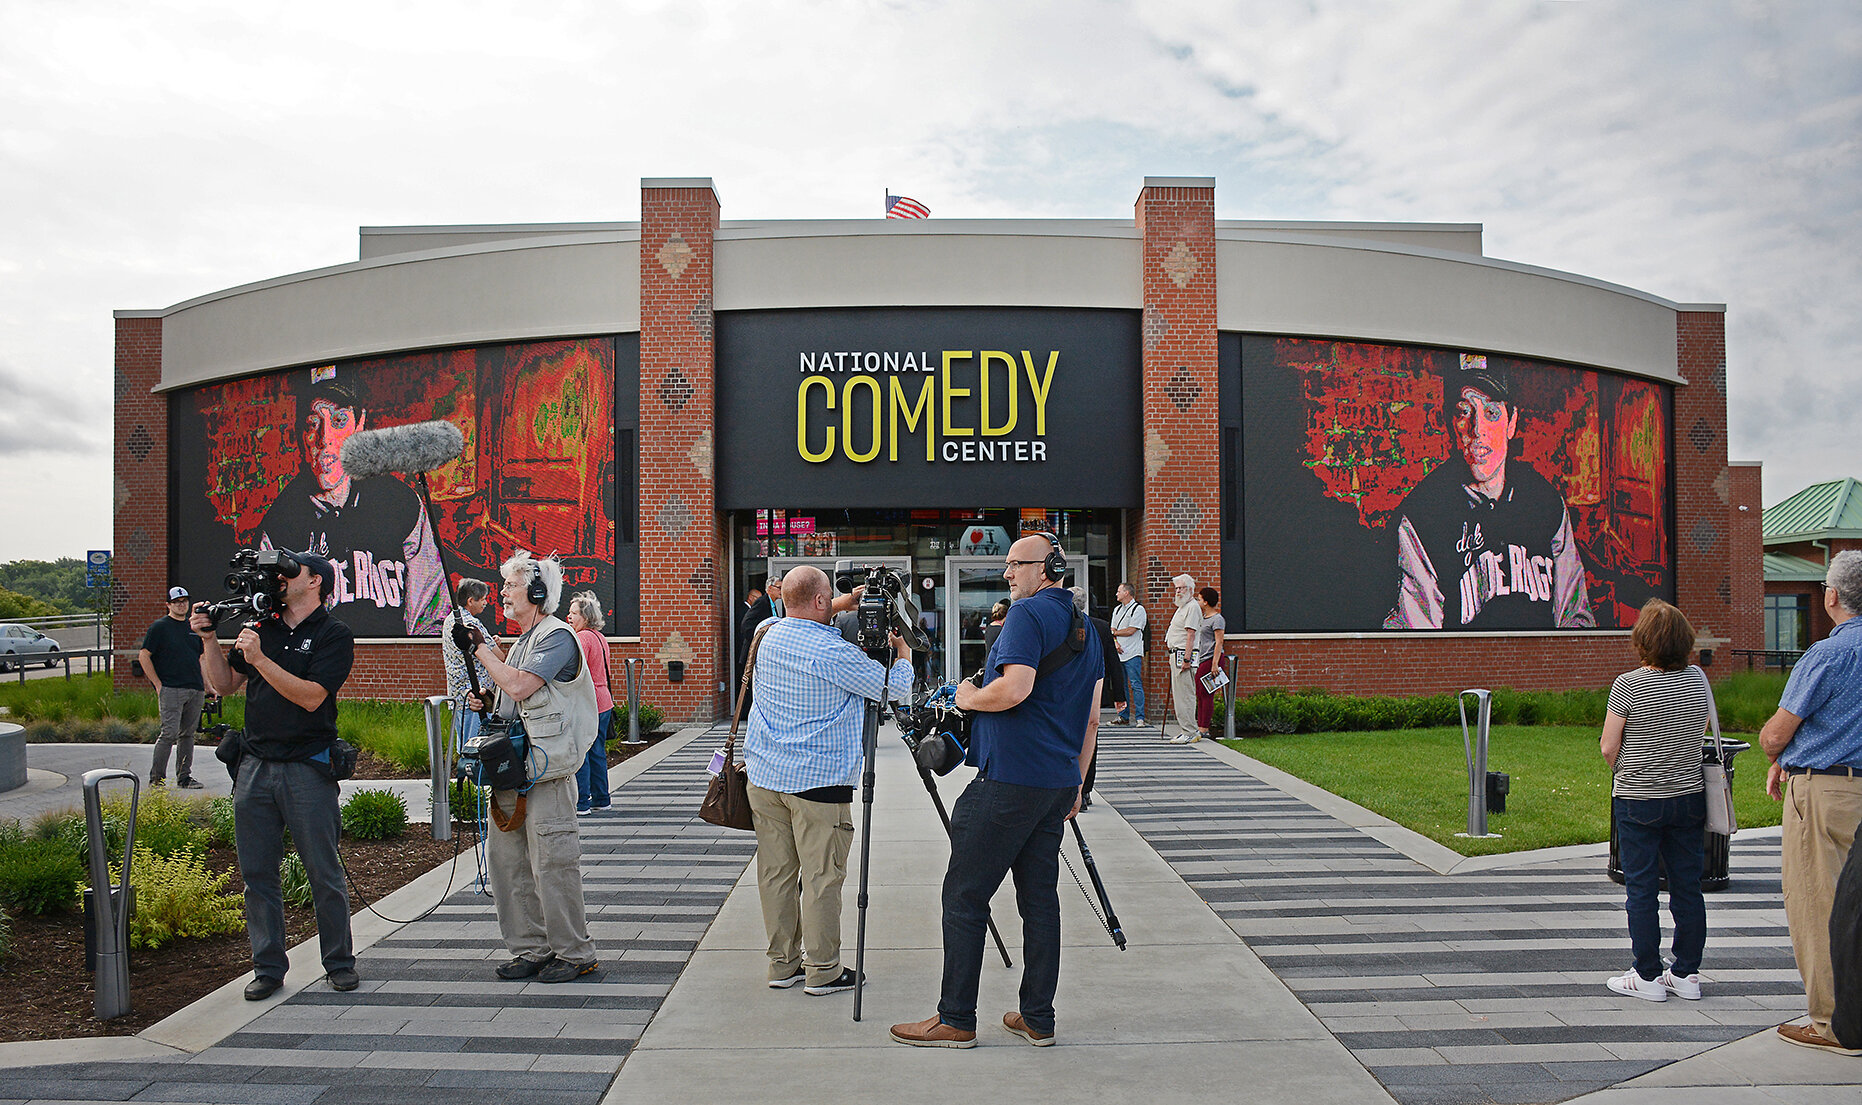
(522, 568)
(1079, 597)
(1185, 580)
(586, 604)
(1844, 576)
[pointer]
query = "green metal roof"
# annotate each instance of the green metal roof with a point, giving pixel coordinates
(1832, 509)
(1791, 569)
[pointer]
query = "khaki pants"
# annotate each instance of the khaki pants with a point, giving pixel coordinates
(1183, 695)
(801, 862)
(536, 876)
(1820, 815)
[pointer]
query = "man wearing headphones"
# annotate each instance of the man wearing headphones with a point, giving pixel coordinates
(534, 851)
(1035, 720)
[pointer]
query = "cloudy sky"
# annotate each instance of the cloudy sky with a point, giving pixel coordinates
(154, 151)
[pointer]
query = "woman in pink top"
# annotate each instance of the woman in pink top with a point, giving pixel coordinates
(591, 781)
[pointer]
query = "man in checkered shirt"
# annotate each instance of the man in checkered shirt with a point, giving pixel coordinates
(810, 690)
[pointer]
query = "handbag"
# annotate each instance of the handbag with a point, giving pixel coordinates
(727, 798)
(1720, 816)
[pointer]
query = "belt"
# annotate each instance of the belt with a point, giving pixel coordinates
(1851, 772)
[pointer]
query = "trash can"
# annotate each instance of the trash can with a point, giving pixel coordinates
(1717, 874)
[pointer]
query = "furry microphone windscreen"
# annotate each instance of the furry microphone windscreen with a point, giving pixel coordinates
(418, 447)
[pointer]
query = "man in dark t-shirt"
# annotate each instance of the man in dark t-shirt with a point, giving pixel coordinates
(291, 667)
(170, 657)
(1031, 741)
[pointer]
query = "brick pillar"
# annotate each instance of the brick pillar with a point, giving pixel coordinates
(139, 489)
(1179, 531)
(680, 615)
(1746, 533)
(1704, 564)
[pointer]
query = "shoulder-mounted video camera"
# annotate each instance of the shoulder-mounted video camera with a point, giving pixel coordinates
(886, 606)
(256, 584)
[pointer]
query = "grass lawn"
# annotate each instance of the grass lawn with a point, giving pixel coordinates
(1418, 778)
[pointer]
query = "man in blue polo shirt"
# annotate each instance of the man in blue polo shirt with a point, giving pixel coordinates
(1031, 740)
(1815, 745)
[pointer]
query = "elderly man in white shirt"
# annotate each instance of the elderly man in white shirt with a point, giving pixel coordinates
(1180, 640)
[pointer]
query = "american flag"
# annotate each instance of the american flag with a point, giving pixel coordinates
(904, 207)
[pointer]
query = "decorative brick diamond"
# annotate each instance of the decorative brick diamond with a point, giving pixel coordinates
(140, 444)
(1702, 435)
(139, 546)
(1723, 485)
(1156, 583)
(1183, 390)
(675, 518)
(1181, 266)
(703, 579)
(119, 494)
(676, 648)
(1185, 516)
(1155, 326)
(119, 597)
(1156, 453)
(703, 320)
(122, 384)
(676, 390)
(700, 454)
(1704, 535)
(1725, 589)
(1718, 377)
(676, 256)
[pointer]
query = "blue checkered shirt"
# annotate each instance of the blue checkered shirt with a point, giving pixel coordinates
(810, 693)
(1825, 689)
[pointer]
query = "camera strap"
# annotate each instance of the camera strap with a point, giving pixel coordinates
(1064, 652)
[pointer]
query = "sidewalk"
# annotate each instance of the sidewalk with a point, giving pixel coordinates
(1280, 952)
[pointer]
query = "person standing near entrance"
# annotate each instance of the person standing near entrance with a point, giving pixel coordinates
(1207, 658)
(1128, 624)
(1815, 745)
(591, 779)
(1180, 639)
(170, 657)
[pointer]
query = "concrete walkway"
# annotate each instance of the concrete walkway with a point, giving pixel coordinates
(1284, 948)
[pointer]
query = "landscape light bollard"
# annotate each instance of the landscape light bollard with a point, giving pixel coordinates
(110, 904)
(633, 702)
(1228, 698)
(439, 766)
(1476, 749)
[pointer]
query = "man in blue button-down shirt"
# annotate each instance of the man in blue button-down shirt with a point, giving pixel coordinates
(1815, 745)
(802, 753)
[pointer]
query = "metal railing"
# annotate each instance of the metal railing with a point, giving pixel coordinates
(90, 656)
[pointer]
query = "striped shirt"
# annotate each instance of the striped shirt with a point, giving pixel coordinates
(810, 693)
(1665, 714)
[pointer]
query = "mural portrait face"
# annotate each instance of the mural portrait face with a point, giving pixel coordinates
(320, 439)
(1483, 428)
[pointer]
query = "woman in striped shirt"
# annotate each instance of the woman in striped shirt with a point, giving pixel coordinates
(1652, 737)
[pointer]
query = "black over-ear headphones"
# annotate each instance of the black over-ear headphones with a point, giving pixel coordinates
(537, 593)
(1055, 566)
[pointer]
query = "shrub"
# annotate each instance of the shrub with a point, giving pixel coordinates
(178, 898)
(11, 832)
(463, 800)
(294, 881)
(650, 719)
(39, 876)
(220, 822)
(67, 829)
(373, 814)
(395, 731)
(165, 824)
(6, 937)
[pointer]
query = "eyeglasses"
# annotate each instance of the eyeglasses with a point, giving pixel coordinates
(1020, 563)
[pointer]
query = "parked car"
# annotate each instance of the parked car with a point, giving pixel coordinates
(19, 641)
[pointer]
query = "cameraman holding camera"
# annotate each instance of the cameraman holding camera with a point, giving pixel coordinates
(802, 752)
(292, 663)
(534, 849)
(1036, 717)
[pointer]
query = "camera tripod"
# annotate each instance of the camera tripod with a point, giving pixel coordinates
(869, 776)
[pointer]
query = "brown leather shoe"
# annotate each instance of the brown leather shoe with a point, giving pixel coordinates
(1014, 1023)
(932, 1033)
(1805, 1036)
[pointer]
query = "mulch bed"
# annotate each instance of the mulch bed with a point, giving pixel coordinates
(49, 993)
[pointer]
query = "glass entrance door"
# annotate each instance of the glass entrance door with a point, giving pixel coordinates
(973, 584)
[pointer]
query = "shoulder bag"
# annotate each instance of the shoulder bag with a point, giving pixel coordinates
(1720, 816)
(727, 798)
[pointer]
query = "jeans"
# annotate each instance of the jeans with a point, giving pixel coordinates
(270, 797)
(1134, 688)
(997, 829)
(180, 708)
(1671, 831)
(591, 779)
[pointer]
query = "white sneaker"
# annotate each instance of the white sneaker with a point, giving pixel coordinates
(1688, 987)
(1631, 984)
(1184, 738)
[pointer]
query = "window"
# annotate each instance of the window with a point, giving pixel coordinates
(1787, 622)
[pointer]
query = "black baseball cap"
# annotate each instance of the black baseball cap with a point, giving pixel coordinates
(325, 383)
(319, 565)
(1475, 372)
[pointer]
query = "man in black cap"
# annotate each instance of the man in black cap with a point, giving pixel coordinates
(291, 664)
(1484, 541)
(375, 532)
(170, 657)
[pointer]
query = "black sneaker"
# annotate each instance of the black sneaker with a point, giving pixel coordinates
(785, 983)
(561, 970)
(344, 979)
(262, 987)
(188, 782)
(843, 982)
(522, 968)
(158, 782)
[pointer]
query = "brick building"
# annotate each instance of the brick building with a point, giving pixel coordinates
(681, 405)
(1800, 535)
